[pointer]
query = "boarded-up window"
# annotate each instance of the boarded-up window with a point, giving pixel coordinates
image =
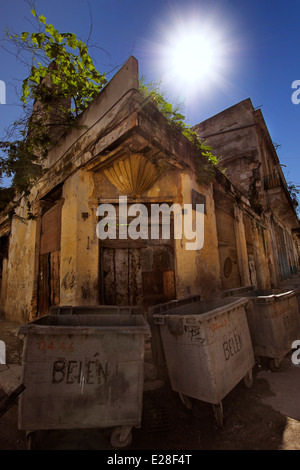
(51, 229)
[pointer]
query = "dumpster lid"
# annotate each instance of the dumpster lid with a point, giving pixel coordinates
(163, 307)
(87, 324)
(237, 291)
(94, 310)
(262, 295)
(204, 309)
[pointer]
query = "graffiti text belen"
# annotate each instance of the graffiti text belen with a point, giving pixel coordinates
(232, 345)
(70, 372)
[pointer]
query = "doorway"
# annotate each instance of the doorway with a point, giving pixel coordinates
(137, 272)
(49, 259)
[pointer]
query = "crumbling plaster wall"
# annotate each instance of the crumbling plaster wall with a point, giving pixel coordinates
(99, 112)
(198, 271)
(240, 138)
(113, 115)
(233, 137)
(79, 243)
(19, 282)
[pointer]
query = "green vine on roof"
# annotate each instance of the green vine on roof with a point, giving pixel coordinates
(176, 118)
(74, 76)
(62, 82)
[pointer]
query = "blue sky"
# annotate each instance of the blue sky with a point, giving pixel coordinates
(257, 40)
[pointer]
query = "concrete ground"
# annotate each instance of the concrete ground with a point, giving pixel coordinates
(263, 417)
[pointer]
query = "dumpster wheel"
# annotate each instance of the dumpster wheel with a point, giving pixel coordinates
(121, 436)
(248, 379)
(30, 439)
(185, 400)
(274, 364)
(218, 412)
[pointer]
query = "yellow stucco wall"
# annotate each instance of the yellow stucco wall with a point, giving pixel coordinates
(198, 272)
(79, 243)
(20, 269)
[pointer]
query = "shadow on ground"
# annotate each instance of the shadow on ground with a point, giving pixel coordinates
(250, 422)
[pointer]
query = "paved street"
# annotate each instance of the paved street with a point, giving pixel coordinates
(265, 416)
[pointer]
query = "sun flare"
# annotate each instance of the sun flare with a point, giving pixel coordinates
(192, 56)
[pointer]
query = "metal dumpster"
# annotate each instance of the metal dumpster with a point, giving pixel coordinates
(208, 349)
(83, 371)
(156, 343)
(95, 310)
(273, 319)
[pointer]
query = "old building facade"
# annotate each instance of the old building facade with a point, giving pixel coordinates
(239, 136)
(123, 146)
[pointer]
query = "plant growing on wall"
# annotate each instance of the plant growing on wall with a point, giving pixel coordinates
(74, 75)
(177, 120)
(294, 191)
(61, 83)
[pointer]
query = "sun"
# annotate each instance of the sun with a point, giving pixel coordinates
(192, 56)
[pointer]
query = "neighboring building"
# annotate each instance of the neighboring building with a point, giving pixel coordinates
(124, 146)
(239, 136)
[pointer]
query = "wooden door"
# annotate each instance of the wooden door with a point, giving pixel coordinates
(137, 272)
(136, 276)
(49, 270)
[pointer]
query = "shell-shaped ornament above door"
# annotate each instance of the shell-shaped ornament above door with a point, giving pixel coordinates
(132, 174)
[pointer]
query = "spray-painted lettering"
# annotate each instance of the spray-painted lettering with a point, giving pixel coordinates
(232, 345)
(70, 372)
(194, 333)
